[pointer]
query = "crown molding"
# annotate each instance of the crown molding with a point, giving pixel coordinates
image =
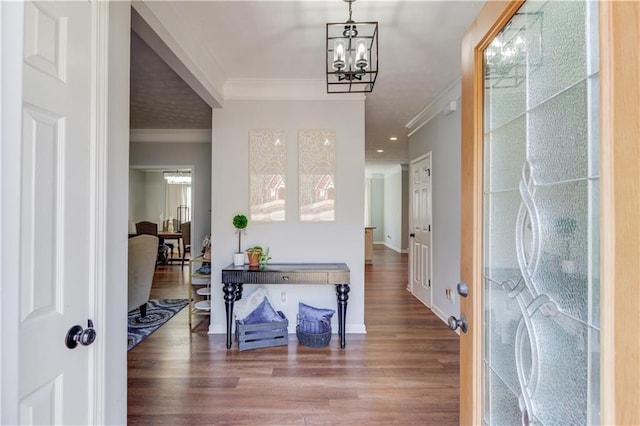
(281, 89)
(170, 135)
(439, 104)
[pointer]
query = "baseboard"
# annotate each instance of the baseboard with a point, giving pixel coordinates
(434, 308)
(439, 313)
(396, 249)
(356, 329)
(217, 329)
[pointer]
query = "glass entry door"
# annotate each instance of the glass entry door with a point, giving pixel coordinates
(540, 217)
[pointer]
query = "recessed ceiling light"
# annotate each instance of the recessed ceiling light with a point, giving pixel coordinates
(380, 150)
(393, 138)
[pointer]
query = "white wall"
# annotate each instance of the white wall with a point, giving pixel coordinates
(389, 205)
(114, 331)
(441, 135)
(147, 195)
(196, 156)
(291, 241)
(393, 209)
(155, 196)
(136, 202)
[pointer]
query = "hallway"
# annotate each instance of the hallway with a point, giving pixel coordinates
(403, 371)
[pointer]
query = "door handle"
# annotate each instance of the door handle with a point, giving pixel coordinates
(412, 235)
(77, 334)
(463, 289)
(455, 323)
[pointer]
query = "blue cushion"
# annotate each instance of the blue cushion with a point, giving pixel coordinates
(249, 302)
(314, 314)
(263, 313)
(314, 320)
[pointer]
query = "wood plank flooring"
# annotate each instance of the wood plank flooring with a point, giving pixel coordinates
(404, 371)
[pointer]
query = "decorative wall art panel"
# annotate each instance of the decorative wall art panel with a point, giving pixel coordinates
(267, 175)
(317, 174)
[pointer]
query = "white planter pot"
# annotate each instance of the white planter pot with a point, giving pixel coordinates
(238, 259)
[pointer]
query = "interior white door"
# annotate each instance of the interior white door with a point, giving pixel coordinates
(56, 204)
(420, 264)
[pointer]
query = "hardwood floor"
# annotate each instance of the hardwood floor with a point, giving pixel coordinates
(404, 371)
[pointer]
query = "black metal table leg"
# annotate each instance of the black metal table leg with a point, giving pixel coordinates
(230, 297)
(342, 291)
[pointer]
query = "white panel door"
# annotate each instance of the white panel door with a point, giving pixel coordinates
(420, 264)
(56, 204)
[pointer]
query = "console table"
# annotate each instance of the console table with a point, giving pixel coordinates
(337, 274)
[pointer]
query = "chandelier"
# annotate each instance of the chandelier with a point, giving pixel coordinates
(352, 55)
(178, 177)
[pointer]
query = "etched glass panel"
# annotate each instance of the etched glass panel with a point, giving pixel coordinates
(541, 218)
(558, 28)
(557, 137)
(502, 400)
(317, 169)
(267, 175)
(507, 153)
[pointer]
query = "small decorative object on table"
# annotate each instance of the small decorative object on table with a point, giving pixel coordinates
(264, 257)
(258, 256)
(206, 248)
(314, 326)
(240, 223)
(253, 253)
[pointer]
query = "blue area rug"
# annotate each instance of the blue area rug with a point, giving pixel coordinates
(159, 311)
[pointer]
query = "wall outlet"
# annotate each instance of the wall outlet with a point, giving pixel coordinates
(283, 297)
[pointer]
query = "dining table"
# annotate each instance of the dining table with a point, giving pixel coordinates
(165, 235)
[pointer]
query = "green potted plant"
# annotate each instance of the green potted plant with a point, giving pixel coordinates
(254, 253)
(240, 222)
(264, 257)
(258, 256)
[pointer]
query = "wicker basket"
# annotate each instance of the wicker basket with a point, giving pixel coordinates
(313, 340)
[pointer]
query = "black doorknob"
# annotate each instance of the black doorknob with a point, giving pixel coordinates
(77, 334)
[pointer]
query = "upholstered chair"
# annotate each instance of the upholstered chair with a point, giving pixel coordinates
(143, 250)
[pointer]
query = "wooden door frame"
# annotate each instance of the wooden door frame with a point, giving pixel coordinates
(619, 206)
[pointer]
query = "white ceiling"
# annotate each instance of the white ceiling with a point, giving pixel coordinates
(419, 58)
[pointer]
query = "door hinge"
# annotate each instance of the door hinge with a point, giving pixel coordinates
(429, 228)
(429, 283)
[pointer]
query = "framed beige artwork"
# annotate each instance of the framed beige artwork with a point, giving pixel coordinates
(317, 174)
(267, 175)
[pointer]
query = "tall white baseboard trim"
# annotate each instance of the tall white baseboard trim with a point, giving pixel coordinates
(394, 248)
(440, 313)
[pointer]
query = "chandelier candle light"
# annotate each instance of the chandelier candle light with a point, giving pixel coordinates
(179, 177)
(352, 55)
